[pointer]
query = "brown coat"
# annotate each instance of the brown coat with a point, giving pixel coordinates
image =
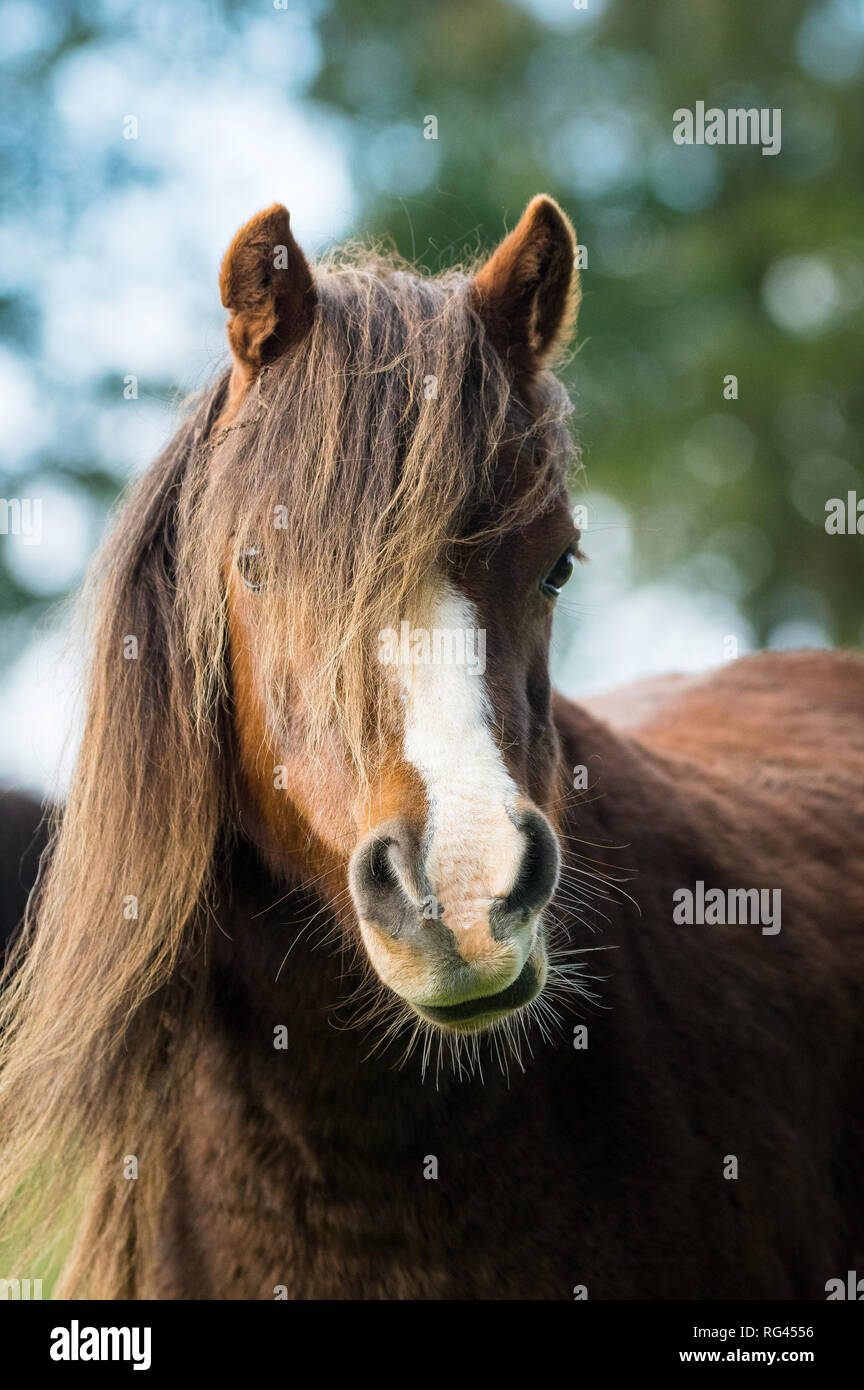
(601, 1167)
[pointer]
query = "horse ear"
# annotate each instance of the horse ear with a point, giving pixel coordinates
(527, 293)
(267, 284)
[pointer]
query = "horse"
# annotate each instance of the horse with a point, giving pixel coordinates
(23, 838)
(361, 964)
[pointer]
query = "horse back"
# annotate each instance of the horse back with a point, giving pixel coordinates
(794, 718)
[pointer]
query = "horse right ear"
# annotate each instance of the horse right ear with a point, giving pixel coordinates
(267, 284)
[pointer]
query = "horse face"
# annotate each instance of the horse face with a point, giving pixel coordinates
(450, 849)
(450, 885)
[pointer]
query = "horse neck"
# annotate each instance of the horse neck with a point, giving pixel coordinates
(284, 960)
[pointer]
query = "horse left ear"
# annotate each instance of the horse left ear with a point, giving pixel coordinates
(267, 284)
(527, 293)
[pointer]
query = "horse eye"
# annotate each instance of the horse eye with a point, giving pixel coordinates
(250, 563)
(558, 575)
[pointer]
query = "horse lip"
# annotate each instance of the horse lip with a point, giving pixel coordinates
(519, 992)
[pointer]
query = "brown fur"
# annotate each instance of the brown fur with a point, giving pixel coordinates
(304, 1168)
(528, 291)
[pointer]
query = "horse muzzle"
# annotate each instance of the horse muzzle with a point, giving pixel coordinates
(460, 955)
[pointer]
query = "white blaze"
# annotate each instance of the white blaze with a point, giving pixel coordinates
(473, 849)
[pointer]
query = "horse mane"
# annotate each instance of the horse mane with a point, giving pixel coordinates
(140, 822)
(98, 1008)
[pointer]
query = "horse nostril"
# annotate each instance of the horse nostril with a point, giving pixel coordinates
(390, 887)
(538, 872)
(386, 881)
(381, 871)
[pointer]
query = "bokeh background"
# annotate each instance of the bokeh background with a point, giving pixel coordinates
(706, 516)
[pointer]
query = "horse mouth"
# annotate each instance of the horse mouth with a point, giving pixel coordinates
(520, 992)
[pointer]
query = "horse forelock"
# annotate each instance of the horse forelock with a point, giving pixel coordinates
(360, 463)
